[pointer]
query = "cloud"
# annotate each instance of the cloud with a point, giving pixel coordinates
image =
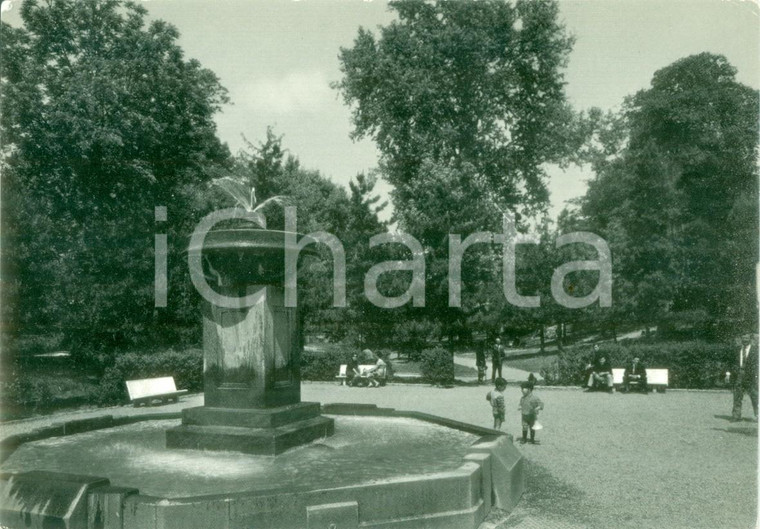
(292, 93)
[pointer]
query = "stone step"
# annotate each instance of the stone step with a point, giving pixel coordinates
(251, 417)
(265, 441)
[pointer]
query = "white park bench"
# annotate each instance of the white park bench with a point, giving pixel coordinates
(148, 389)
(342, 374)
(656, 378)
(363, 370)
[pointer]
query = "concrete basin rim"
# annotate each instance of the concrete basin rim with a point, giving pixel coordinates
(487, 435)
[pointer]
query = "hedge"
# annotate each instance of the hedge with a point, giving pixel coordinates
(185, 366)
(324, 364)
(692, 365)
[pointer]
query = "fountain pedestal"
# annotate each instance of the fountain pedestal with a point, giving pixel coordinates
(252, 383)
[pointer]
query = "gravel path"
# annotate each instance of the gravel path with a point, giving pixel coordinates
(511, 374)
(666, 461)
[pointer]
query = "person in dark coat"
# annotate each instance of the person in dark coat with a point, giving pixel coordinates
(480, 362)
(352, 371)
(497, 357)
(745, 377)
(593, 359)
(635, 373)
(601, 375)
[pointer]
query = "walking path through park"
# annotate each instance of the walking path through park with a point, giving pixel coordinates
(666, 461)
(511, 374)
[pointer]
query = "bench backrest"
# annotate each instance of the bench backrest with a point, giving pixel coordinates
(365, 367)
(148, 387)
(657, 377)
(342, 371)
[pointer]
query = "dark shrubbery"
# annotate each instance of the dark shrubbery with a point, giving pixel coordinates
(26, 393)
(185, 366)
(31, 345)
(694, 365)
(437, 366)
(412, 337)
(323, 364)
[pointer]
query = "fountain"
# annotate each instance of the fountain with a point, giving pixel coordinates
(251, 355)
(254, 455)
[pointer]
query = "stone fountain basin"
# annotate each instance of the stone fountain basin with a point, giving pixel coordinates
(249, 239)
(382, 468)
(250, 255)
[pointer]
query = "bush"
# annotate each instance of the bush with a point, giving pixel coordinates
(413, 336)
(437, 366)
(29, 345)
(26, 392)
(323, 364)
(693, 365)
(185, 366)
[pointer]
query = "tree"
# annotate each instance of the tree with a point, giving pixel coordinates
(465, 101)
(103, 119)
(463, 82)
(370, 323)
(321, 206)
(678, 202)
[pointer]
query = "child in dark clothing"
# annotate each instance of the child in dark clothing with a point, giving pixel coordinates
(529, 407)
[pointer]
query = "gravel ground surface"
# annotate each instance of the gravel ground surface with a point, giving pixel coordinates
(666, 461)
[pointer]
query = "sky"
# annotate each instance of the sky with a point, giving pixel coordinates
(277, 59)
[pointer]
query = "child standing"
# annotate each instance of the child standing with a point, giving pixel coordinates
(496, 398)
(529, 406)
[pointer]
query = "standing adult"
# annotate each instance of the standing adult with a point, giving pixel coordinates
(497, 357)
(745, 378)
(480, 362)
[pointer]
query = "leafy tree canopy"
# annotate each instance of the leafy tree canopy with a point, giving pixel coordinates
(458, 83)
(677, 201)
(103, 119)
(100, 108)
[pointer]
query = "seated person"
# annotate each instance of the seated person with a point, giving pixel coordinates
(589, 369)
(635, 373)
(353, 375)
(376, 375)
(601, 375)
